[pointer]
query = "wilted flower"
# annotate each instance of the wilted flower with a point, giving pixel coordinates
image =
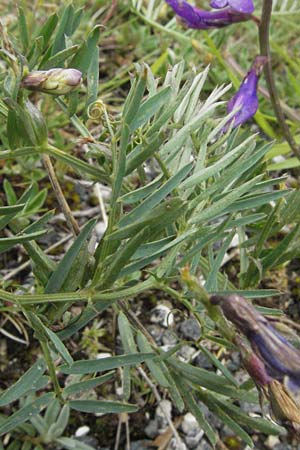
(54, 81)
(253, 364)
(275, 363)
(246, 100)
(244, 6)
(197, 18)
(284, 407)
(281, 359)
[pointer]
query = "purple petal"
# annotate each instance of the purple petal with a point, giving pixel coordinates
(246, 97)
(218, 3)
(186, 11)
(197, 18)
(280, 356)
(243, 6)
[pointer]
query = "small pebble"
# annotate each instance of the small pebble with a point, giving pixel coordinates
(189, 424)
(141, 445)
(163, 410)
(151, 429)
(201, 360)
(156, 332)
(103, 355)
(192, 430)
(163, 315)
(82, 431)
(169, 338)
(204, 445)
(186, 353)
(175, 445)
(190, 329)
(271, 441)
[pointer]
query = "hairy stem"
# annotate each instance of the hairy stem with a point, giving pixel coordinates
(73, 225)
(51, 368)
(264, 42)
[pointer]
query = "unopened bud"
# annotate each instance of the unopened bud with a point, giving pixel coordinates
(54, 81)
(253, 364)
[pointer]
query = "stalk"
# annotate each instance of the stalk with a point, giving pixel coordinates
(265, 50)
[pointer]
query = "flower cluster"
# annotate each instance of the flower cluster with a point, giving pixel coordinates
(273, 362)
(245, 101)
(55, 81)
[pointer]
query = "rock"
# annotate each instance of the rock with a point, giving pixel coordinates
(82, 431)
(192, 430)
(204, 445)
(272, 442)
(141, 445)
(156, 332)
(151, 429)
(100, 229)
(163, 315)
(201, 360)
(89, 440)
(283, 446)
(190, 329)
(253, 408)
(169, 338)
(163, 410)
(193, 441)
(186, 353)
(175, 445)
(235, 363)
(227, 431)
(213, 420)
(189, 424)
(103, 355)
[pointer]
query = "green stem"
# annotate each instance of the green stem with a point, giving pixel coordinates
(265, 50)
(83, 296)
(162, 166)
(202, 296)
(52, 371)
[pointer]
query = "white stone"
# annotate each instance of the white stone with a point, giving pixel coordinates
(189, 424)
(103, 355)
(82, 431)
(162, 314)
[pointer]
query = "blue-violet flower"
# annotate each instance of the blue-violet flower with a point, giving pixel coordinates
(246, 100)
(244, 6)
(197, 18)
(281, 359)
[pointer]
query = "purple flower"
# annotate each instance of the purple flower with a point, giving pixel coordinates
(246, 100)
(281, 359)
(243, 6)
(197, 18)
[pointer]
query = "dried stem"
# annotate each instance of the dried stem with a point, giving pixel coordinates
(73, 225)
(110, 12)
(159, 400)
(264, 41)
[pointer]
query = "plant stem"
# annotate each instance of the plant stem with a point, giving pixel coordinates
(264, 42)
(73, 225)
(51, 368)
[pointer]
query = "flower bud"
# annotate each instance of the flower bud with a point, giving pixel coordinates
(245, 101)
(253, 364)
(54, 81)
